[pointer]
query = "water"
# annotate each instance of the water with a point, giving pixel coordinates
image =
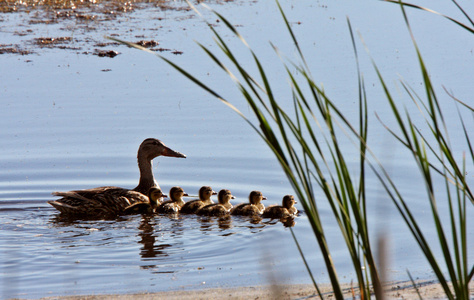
(71, 120)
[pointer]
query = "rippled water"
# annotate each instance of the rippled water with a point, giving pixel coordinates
(71, 120)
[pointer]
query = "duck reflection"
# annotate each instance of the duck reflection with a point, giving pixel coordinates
(66, 220)
(83, 226)
(286, 221)
(147, 236)
(146, 228)
(206, 224)
(223, 223)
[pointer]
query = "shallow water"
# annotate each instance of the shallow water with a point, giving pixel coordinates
(72, 120)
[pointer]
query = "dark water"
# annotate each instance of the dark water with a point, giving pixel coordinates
(70, 120)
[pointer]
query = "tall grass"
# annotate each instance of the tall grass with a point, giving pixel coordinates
(306, 141)
(435, 157)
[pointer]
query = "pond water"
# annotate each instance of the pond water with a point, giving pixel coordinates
(71, 120)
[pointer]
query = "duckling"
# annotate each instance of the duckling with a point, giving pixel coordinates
(254, 207)
(218, 209)
(155, 196)
(174, 205)
(193, 206)
(287, 209)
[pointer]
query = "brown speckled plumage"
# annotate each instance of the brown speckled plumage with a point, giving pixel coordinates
(218, 209)
(287, 209)
(155, 197)
(193, 206)
(254, 207)
(174, 205)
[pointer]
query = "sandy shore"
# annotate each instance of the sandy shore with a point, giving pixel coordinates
(402, 290)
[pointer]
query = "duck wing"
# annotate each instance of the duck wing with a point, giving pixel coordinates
(97, 201)
(215, 209)
(168, 207)
(245, 209)
(138, 208)
(192, 206)
(276, 211)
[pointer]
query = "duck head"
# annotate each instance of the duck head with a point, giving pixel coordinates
(256, 197)
(288, 201)
(224, 196)
(205, 193)
(177, 194)
(155, 195)
(151, 148)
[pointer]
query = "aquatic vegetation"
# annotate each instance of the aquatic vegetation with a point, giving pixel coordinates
(110, 7)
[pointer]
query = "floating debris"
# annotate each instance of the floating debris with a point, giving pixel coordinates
(102, 45)
(13, 49)
(147, 44)
(160, 49)
(106, 53)
(87, 16)
(51, 42)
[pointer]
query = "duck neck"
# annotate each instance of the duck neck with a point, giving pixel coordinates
(147, 180)
(154, 203)
(207, 201)
(227, 205)
(180, 202)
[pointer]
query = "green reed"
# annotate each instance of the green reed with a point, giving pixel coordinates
(306, 141)
(435, 158)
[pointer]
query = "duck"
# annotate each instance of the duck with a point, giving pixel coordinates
(174, 205)
(111, 200)
(155, 196)
(218, 209)
(253, 208)
(287, 209)
(193, 206)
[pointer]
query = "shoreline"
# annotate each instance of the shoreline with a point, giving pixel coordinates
(396, 290)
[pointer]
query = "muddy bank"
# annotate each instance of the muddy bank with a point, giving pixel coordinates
(398, 290)
(73, 25)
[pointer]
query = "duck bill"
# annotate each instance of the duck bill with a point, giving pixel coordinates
(185, 195)
(214, 193)
(264, 198)
(164, 196)
(232, 197)
(172, 153)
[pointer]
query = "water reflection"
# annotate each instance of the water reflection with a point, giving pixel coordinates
(68, 220)
(176, 222)
(223, 223)
(159, 237)
(147, 235)
(288, 221)
(154, 244)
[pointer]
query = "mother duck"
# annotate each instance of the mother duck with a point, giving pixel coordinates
(110, 200)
